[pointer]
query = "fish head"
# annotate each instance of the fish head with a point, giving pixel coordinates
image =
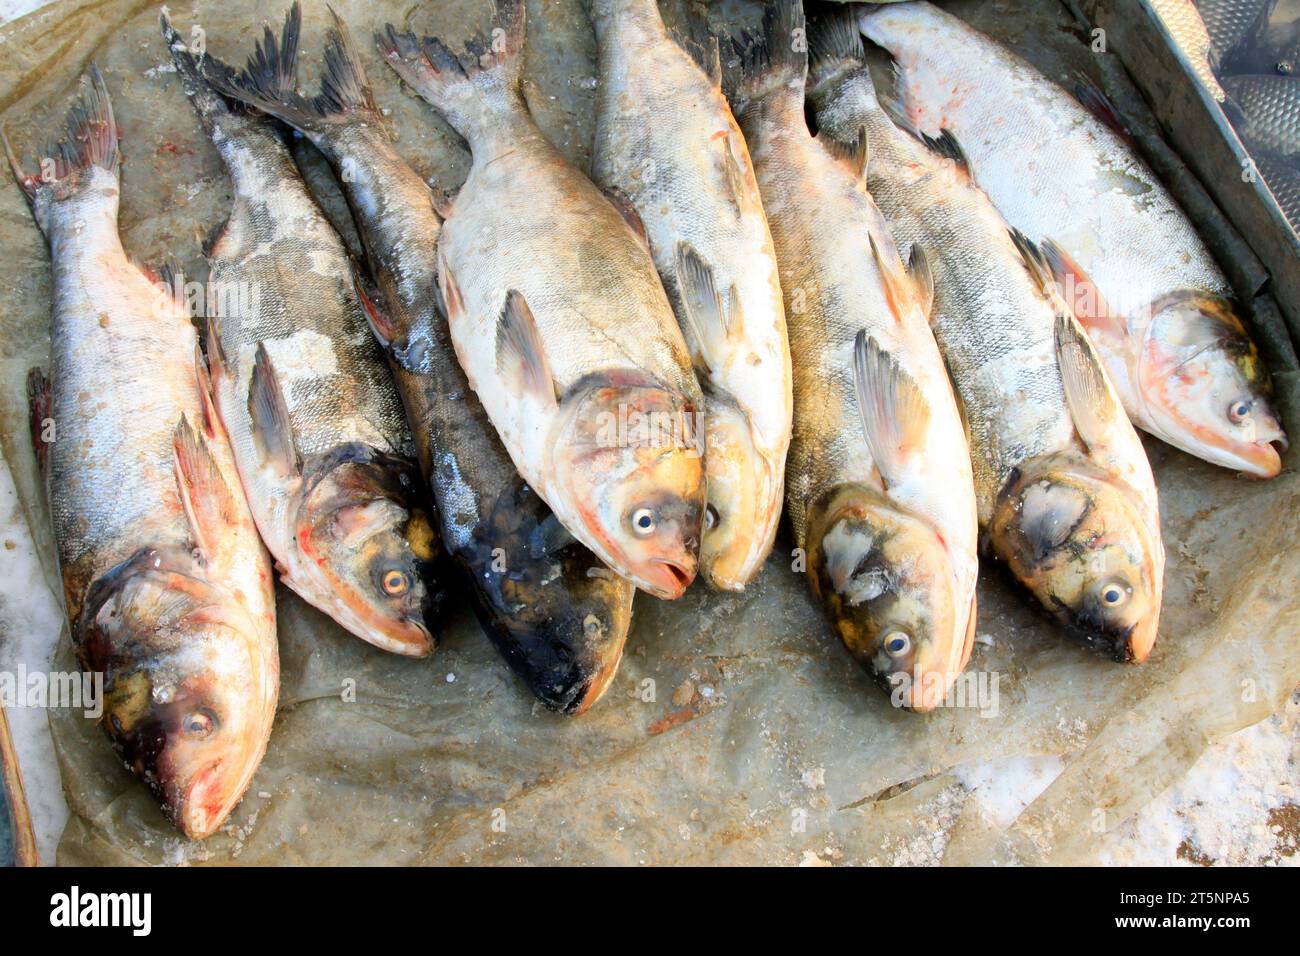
(630, 461)
(886, 581)
(559, 617)
(1206, 387)
(367, 548)
(188, 702)
(1076, 537)
(744, 499)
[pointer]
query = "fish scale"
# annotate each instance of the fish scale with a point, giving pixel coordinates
(1271, 105)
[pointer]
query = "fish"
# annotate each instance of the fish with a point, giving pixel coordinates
(879, 487)
(667, 144)
(1268, 110)
(320, 435)
(1282, 176)
(558, 616)
(560, 321)
(1064, 491)
(1131, 266)
(17, 841)
(166, 584)
(1183, 21)
(1229, 22)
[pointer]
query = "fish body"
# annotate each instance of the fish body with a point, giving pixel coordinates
(878, 480)
(1270, 107)
(1130, 264)
(1229, 22)
(1076, 521)
(1183, 21)
(1282, 175)
(561, 322)
(320, 436)
(555, 612)
(666, 142)
(167, 586)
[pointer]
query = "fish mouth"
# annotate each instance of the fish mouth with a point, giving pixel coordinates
(666, 579)
(205, 807)
(1263, 459)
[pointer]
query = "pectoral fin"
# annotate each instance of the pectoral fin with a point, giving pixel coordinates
(710, 319)
(904, 288)
(895, 416)
(208, 502)
(521, 355)
(272, 428)
(1087, 390)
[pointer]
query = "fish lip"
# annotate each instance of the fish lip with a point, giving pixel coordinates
(1263, 459)
(195, 818)
(665, 579)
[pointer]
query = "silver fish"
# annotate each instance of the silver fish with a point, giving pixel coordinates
(561, 323)
(1132, 267)
(559, 617)
(1184, 23)
(167, 586)
(319, 432)
(666, 143)
(878, 482)
(1064, 490)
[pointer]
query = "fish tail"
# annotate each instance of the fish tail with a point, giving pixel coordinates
(466, 88)
(208, 103)
(269, 80)
(772, 64)
(91, 142)
(834, 44)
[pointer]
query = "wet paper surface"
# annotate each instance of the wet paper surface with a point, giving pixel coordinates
(738, 729)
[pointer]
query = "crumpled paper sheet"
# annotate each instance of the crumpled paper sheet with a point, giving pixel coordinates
(738, 730)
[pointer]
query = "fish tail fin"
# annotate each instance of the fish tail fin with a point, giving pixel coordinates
(467, 89)
(207, 102)
(269, 80)
(834, 44)
(64, 169)
(773, 63)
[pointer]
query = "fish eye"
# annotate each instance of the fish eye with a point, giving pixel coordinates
(592, 625)
(1114, 593)
(395, 582)
(1240, 410)
(897, 643)
(710, 518)
(643, 521)
(199, 724)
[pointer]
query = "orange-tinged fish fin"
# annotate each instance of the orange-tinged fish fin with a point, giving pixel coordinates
(383, 329)
(521, 355)
(272, 428)
(900, 292)
(207, 500)
(210, 424)
(40, 407)
(1080, 293)
(1087, 390)
(895, 416)
(852, 154)
(710, 319)
(918, 267)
